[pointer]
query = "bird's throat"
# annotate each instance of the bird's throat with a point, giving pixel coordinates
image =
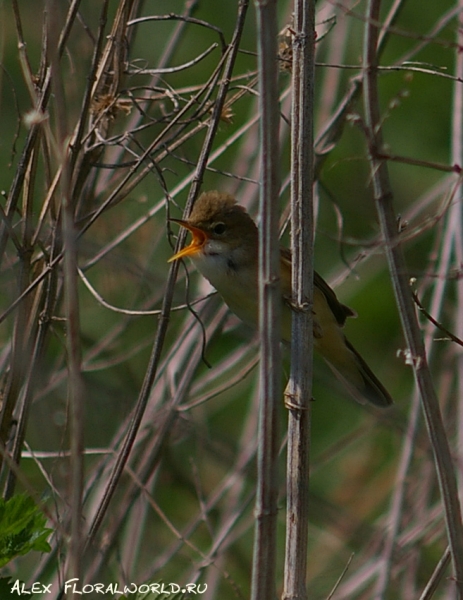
(235, 282)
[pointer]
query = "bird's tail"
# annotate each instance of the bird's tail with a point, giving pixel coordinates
(358, 378)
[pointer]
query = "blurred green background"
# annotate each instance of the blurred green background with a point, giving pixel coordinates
(187, 513)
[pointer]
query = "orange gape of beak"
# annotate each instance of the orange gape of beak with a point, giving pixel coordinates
(198, 241)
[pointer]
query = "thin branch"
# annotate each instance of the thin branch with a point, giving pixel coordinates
(436, 323)
(135, 313)
(436, 576)
(182, 67)
(184, 18)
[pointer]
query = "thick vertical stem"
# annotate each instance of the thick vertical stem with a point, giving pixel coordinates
(263, 575)
(300, 383)
(455, 216)
(400, 280)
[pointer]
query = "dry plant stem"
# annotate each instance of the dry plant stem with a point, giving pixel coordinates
(168, 298)
(109, 201)
(234, 502)
(455, 218)
(30, 381)
(76, 394)
(299, 393)
(264, 557)
(75, 388)
(17, 386)
(409, 446)
(328, 137)
(230, 491)
(25, 176)
(395, 513)
(171, 46)
(389, 21)
(454, 221)
(388, 222)
(127, 187)
(151, 455)
(122, 187)
(152, 448)
(41, 102)
(76, 145)
(436, 577)
(242, 464)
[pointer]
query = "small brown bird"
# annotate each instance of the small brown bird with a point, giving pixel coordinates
(225, 250)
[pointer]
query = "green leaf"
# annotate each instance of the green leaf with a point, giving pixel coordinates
(22, 528)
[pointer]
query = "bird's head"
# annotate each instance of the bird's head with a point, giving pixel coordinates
(219, 226)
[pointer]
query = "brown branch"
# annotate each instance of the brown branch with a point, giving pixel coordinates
(439, 326)
(400, 281)
(264, 556)
(299, 391)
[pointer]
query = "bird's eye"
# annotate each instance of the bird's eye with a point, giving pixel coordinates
(219, 228)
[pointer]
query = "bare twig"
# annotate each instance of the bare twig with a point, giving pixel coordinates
(264, 557)
(436, 576)
(434, 321)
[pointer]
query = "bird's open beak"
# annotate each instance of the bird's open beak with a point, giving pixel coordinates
(198, 241)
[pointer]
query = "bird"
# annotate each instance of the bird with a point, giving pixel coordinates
(224, 249)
